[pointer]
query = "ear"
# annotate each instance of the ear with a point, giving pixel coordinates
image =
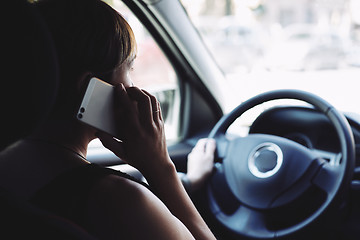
(83, 80)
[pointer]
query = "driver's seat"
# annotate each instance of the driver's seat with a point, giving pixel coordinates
(29, 80)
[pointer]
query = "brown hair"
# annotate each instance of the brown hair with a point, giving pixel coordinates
(90, 36)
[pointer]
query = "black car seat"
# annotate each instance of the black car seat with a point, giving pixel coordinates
(29, 76)
(28, 70)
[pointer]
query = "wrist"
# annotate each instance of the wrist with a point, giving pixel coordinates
(196, 180)
(161, 170)
(185, 182)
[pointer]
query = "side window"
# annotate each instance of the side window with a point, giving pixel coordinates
(152, 72)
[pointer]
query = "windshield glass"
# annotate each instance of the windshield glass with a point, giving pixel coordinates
(261, 45)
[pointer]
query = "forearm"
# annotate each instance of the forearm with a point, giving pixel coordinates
(167, 186)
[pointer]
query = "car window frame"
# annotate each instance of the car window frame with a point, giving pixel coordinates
(190, 82)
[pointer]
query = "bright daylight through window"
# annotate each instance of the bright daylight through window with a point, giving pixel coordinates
(261, 45)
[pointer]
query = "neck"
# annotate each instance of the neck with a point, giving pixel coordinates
(69, 134)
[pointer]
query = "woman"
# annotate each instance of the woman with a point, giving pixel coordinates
(50, 169)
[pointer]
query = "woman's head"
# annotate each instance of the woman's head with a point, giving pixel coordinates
(90, 37)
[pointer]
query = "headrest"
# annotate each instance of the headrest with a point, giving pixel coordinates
(29, 71)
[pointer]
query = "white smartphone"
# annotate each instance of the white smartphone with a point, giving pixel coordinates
(97, 106)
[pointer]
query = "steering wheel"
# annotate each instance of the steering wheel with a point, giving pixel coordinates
(266, 186)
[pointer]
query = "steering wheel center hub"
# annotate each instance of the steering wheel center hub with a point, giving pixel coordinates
(265, 160)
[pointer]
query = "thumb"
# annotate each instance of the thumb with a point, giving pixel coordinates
(111, 143)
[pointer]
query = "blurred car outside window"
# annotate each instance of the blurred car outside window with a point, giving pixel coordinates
(273, 44)
(262, 45)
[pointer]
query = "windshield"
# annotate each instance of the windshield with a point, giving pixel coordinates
(261, 45)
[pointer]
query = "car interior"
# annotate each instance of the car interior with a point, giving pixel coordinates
(295, 174)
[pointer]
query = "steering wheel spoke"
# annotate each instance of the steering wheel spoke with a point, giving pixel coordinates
(333, 159)
(248, 221)
(327, 177)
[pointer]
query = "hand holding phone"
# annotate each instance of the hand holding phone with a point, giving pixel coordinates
(143, 141)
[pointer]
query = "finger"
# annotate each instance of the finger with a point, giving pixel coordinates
(155, 104)
(125, 109)
(112, 144)
(122, 100)
(143, 103)
(201, 143)
(210, 146)
(160, 112)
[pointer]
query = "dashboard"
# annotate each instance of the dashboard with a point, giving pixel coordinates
(308, 127)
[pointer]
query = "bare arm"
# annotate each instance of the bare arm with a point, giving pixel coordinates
(122, 209)
(168, 187)
(144, 147)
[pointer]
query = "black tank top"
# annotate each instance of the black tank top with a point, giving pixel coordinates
(67, 194)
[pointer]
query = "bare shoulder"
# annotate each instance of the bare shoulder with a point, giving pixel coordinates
(121, 208)
(116, 189)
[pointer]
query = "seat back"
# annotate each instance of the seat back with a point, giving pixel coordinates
(29, 71)
(29, 79)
